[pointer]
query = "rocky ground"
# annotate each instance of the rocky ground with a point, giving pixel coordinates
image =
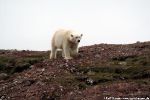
(100, 72)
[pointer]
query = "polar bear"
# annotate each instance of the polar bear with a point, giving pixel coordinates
(67, 41)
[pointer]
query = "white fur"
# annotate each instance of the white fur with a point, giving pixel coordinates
(66, 40)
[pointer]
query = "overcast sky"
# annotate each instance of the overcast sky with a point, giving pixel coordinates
(29, 24)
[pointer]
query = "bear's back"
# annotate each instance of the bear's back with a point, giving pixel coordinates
(58, 38)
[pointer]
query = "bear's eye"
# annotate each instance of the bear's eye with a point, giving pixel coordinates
(71, 35)
(76, 37)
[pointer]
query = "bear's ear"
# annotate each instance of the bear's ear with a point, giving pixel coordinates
(81, 35)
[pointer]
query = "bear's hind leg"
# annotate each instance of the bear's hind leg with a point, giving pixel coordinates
(53, 53)
(63, 55)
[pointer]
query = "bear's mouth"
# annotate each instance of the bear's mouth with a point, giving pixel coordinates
(72, 42)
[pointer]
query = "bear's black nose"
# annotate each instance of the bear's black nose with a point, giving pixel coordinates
(78, 40)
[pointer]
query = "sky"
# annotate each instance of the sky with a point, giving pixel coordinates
(30, 24)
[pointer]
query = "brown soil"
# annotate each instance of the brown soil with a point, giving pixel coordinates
(102, 71)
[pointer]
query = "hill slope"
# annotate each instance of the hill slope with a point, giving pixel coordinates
(100, 71)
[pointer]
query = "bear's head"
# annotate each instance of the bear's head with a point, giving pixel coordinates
(75, 37)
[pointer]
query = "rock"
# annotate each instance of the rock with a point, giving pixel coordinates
(3, 76)
(123, 63)
(28, 82)
(61, 88)
(31, 66)
(2, 98)
(97, 55)
(40, 83)
(102, 49)
(90, 81)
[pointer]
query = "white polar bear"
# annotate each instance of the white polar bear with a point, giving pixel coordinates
(66, 40)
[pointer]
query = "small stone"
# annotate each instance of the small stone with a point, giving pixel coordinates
(66, 64)
(2, 97)
(71, 93)
(102, 49)
(97, 55)
(79, 92)
(61, 88)
(43, 69)
(44, 91)
(15, 82)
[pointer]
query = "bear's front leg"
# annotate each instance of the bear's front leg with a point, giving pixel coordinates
(74, 52)
(66, 51)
